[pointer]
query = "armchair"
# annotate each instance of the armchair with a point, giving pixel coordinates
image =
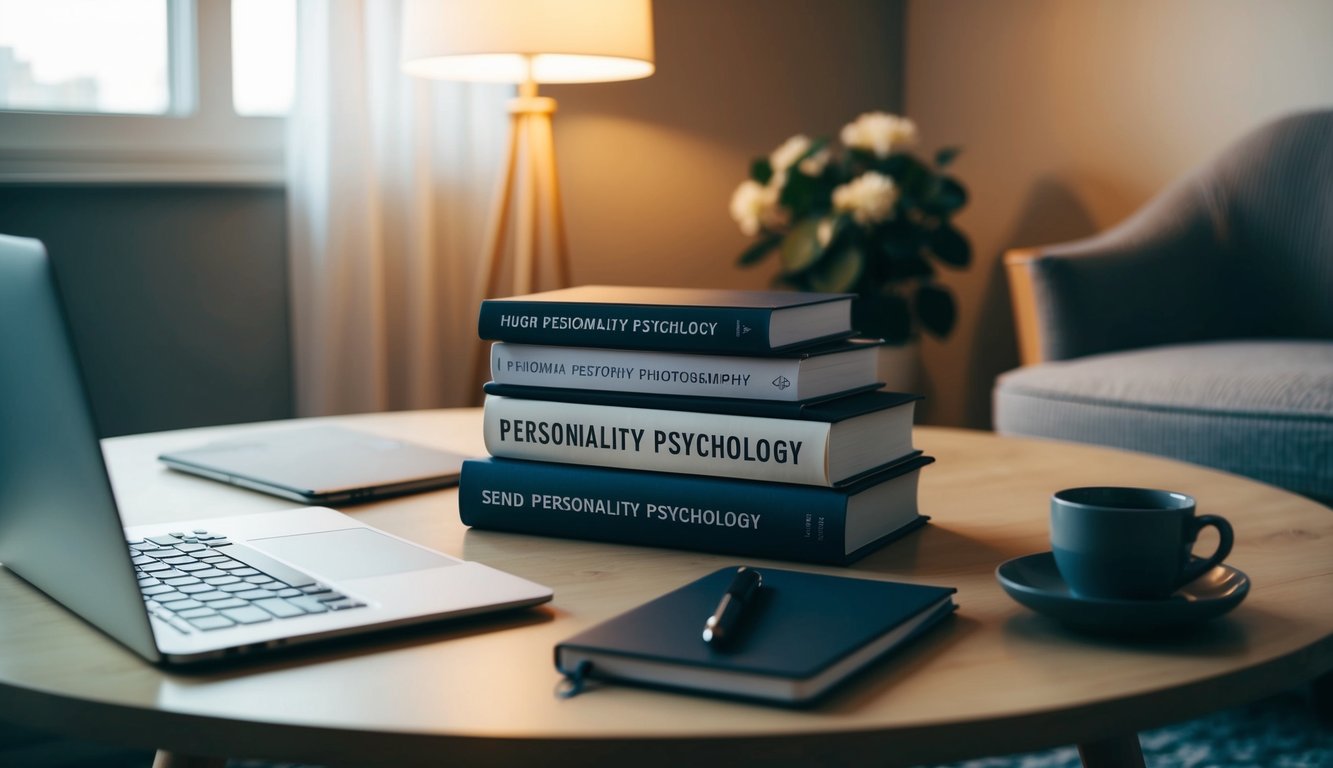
(1200, 328)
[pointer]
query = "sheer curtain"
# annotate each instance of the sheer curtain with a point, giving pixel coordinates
(389, 180)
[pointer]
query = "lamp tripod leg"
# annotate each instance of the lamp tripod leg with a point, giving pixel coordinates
(488, 278)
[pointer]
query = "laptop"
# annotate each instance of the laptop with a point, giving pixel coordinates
(199, 589)
(321, 464)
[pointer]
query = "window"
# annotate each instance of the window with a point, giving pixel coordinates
(263, 56)
(145, 90)
(84, 56)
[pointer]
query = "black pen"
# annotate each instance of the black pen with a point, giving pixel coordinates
(721, 626)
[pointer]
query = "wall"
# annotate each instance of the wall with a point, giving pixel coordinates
(647, 167)
(177, 298)
(1074, 113)
(1071, 114)
(178, 295)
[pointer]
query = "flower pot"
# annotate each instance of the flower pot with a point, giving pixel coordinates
(899, 366)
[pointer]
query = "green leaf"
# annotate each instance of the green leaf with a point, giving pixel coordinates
(949, 245)
(899, 239)
(843, 230)
(838, 271)
(908, 173)
(884, 315)
(761, 170)
(945, 196)
(946, 155)
(800, 248)
(862, 158)
(800, 195)
(758, 250)
(908, 267)
(935, 307)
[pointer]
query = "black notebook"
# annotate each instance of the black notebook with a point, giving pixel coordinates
(804, 634)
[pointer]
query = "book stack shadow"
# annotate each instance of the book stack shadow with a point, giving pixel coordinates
(736, 422)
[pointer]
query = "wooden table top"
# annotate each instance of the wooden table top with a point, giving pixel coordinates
(995, 679)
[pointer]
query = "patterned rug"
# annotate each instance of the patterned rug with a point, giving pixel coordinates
(1281, 732)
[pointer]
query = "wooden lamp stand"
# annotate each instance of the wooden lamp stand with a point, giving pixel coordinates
(529, 194)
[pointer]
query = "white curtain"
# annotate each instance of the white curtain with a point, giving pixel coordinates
(389, 182)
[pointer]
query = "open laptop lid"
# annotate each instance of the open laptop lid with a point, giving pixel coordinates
(321, 464)
(56, 503)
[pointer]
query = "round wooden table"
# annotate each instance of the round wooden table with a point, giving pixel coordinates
(995, 679)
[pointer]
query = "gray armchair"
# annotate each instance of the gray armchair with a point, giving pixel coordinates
(1200, 328)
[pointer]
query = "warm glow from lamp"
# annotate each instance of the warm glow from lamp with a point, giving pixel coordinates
(543, 41)
(527, 42)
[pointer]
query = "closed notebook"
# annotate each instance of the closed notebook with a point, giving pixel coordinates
(803, 635)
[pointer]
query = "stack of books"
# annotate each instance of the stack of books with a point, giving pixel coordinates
(739, 422)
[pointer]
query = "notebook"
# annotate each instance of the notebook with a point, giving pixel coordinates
(321, 464)
(805, 634)
(197, 589)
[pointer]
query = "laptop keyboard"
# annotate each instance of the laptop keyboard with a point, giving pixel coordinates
(202, 581)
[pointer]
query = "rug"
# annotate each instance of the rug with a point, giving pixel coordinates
(1279, 732)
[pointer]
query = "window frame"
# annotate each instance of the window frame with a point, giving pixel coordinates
(202, 140)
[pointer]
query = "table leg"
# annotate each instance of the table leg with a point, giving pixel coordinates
(165, 759)
(1321, 697)
(1114, 752)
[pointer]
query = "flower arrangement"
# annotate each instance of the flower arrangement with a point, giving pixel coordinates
(871, 222)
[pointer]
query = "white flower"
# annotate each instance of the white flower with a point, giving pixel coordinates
(868, 197)
(815, 164)
(879, 132)
(784, 156)
(782, 159)
(755, 206)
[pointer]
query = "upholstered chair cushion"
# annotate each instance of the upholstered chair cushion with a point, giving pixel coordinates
(1263, 409)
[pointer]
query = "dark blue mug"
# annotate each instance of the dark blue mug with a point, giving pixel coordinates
(1130, 543)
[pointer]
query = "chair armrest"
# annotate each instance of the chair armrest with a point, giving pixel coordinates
(1017, 266)
(1156, 278)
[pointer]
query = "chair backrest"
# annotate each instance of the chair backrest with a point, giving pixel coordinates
(1273, 198)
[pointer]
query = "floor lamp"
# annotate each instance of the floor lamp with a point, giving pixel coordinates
(527, 42)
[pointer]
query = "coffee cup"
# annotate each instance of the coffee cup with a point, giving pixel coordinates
(1130, 543)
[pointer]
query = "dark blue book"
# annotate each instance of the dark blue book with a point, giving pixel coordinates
(835, 407)
(834, 526)
(668, 319)
(800, 636)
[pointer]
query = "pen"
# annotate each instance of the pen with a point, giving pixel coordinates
(720, 627)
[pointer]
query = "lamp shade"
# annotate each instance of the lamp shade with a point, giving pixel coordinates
(512, 41)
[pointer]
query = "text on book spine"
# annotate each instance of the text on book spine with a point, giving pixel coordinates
(666, 513)
(676, 443)
(609, 324)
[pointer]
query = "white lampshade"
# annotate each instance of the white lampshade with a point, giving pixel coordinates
(562, 41)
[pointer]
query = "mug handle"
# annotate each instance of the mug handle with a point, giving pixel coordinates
(1225, 536)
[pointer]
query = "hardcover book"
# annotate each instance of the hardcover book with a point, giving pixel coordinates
(670, 319)
(804, 634)
(805, 374)
(828, 444)
(740, 517)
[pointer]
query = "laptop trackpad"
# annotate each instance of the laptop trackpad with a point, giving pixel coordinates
(352, 553)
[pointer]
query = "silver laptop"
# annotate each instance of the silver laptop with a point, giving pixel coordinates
(321, 464)
(192, 590)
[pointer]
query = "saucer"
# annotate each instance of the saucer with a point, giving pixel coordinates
(1034, 581)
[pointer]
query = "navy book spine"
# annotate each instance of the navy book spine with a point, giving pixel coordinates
(627, 326)
(770, 520)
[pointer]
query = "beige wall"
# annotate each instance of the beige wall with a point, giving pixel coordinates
(1074, 113)
(647, 167)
